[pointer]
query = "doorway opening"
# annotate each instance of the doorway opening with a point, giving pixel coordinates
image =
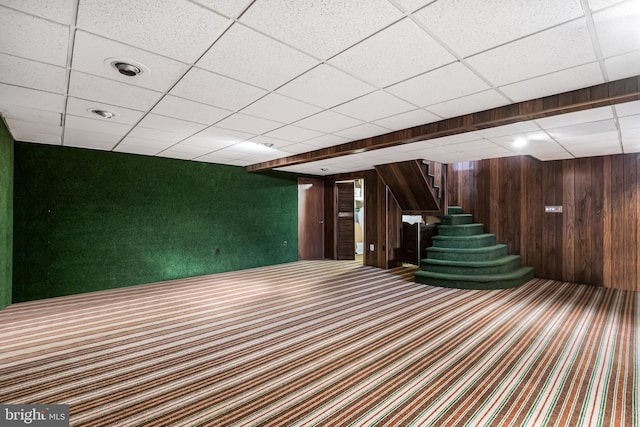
(350, 221)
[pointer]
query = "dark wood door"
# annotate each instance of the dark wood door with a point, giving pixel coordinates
(310, 218)
(345, 239)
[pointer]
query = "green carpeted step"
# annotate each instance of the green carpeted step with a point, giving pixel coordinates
(460, 230)
(490, 281)
(454, 210)
(457, 219)
(486, 253)
(497, 266)
(477, 241)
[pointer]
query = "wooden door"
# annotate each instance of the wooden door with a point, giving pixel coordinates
(345, 239)
(310, 218)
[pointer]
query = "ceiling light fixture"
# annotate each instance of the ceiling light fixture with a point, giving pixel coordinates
(520, 142)
(103, 113)
(128, 70)
(126, 67)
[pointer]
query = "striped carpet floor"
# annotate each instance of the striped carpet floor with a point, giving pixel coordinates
(327, 343)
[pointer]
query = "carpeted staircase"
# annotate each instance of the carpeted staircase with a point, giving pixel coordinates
(463, 256)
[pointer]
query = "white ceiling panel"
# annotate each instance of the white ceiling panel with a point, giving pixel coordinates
(586, 151)
(107, 91)
(481, 25)
(94, 55)
(550, 84)
(374, 106)
(60, 10)
(469, 104)
(250, 124)
(180, 108)
(326, 87)
(623, 66)
(578, 117)
(306, 25)
(328, 121)
(407, 120)
(607, 138)
(396, 53)
(30, 135)
(552, 50)
(82, 108)
(365, 130)
(254, 58)
(452, 81)
(271, 142)
(30, 128)
(297, 148)
(326, 141)
(169, 124)
(454, 139)
(629, 122)
(628, 108)
(83, 138)
(30, 115)
(229, 8)
(143, 146)
(509, 130)
(293, 133)
(216, 138)
(31, 37)
(174, 154)
(36, 75)
(618, 28)
(583, 129)
(160, 136)
(174, 28)
(218, 91)
(98, 125)
(280, 108)
(595, 5)
(30, 98)
(413, 5)
(560, 155)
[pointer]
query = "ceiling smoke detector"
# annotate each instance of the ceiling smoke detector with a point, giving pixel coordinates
(103, 113)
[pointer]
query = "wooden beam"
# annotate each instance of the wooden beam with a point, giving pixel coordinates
(601, 95)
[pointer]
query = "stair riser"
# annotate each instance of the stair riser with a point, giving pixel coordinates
(453, 210)
(444, 242)
(460, 230)
(468, 257)
(472, 270)
(457, 219)
(462, 284)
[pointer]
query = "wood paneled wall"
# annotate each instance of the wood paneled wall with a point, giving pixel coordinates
(596, 240)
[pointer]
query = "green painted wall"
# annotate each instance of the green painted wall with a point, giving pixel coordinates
(6, 215)
(88, 220)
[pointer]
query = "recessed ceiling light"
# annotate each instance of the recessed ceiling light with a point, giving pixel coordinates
(126, 67)
(324, 169)
(103, 113)
(520, 142)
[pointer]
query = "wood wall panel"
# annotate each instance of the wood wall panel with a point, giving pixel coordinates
(596, 240)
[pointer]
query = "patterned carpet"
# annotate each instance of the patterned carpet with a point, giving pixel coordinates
(328, 343)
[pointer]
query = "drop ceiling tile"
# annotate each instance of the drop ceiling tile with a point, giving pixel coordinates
(143, 146)
(297, 148)
(249, 124)
(93, 55)
(21, 129)
(172, 154)
(550, 84)
(628, 108)
(216, 138)
(325, 141)
(293, 134)
(413, 5)
(328, 121)
(491, 23)
(601, 4)
(280, 108)
(578, 117)
(394, 54)
(180, 108)
(230, 8)
(454, 139)
(97, 125)
(469, 104)
(30, 98)
(365, 130)
(623, 66)
(29, 135)
(111, 92)
(218, 157)
(32, 74)
(273, 142)
(374, 106)
(155, 25)
(305, 24)
(33, 38)
(596, 140)
(629, 122)
(82, 107)
(218, 91)
(169, 124)
(581, 151)
(552, 50)
(254, 58)
(618, 28)
(193, 150)
(248, 147)
(325, 86)
(160, 136)
(583, 129)
(561, 155)
(449, 82)
(83, 138)
(406, 120)
(513, 130)
(60, 10)
(26, 114)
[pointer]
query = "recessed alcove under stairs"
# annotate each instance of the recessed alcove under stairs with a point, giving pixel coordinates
(463, 256)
